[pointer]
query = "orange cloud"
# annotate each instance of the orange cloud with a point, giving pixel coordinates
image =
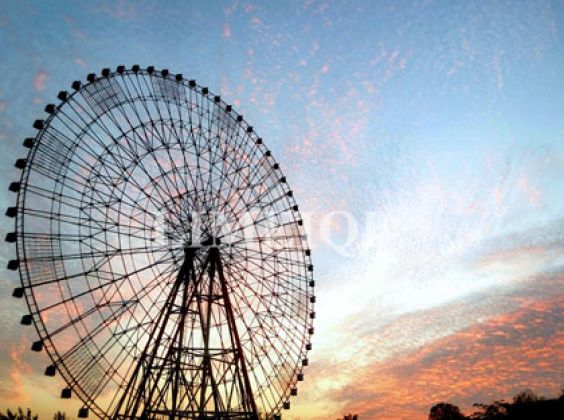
(18, 370)
(493, 360)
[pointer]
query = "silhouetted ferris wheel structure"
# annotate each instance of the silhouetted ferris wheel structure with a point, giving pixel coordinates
(161, 253)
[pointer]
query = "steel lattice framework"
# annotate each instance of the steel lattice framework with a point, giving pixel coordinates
(161, 252)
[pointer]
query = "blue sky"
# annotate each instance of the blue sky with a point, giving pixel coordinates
(443, 119)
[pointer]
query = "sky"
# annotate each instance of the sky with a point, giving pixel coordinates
(424, 141)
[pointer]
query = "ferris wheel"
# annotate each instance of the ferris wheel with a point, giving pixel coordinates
(161, 252)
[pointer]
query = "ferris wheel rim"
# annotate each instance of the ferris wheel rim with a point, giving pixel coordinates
(26, 281)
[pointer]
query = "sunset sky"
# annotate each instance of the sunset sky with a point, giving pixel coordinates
(437, 126)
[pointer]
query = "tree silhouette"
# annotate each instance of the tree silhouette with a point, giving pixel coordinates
(525, 396)
(19, 415)
(445, 411)
(59, 416)
(496, 410)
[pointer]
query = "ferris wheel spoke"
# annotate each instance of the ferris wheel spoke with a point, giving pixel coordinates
(121, 308)
(266, 330)
(249, 304)
(254, 181)
(279, 299)
(263, 269)
(177, 175)
(139, 328)
(167, 276)
(108, 282)
(115, 106)
(174, 133)
(78, 203)
(218, 159)
(268, 364)
(92, 135)
(195, 131)
(104, 254)
(256, 201)
(86, 348)
(275, 253)
(138, 297)
(102, 202)
(131, 157)
(71, 220)
(250, 186)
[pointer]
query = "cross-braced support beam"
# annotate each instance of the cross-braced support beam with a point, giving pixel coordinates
(193, 363)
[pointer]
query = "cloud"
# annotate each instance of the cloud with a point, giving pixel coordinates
(39, 80)
(17, 370)
(488, 347)
(81, 62)
(120, 9)
(495, 359)
(226, 30)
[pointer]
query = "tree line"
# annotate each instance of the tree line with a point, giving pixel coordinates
(526, 405)
(20, 414)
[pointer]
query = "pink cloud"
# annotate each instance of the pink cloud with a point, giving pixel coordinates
(39, 80)
(255, 21)
(226, 30)
(80, 62)
(531, 192)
